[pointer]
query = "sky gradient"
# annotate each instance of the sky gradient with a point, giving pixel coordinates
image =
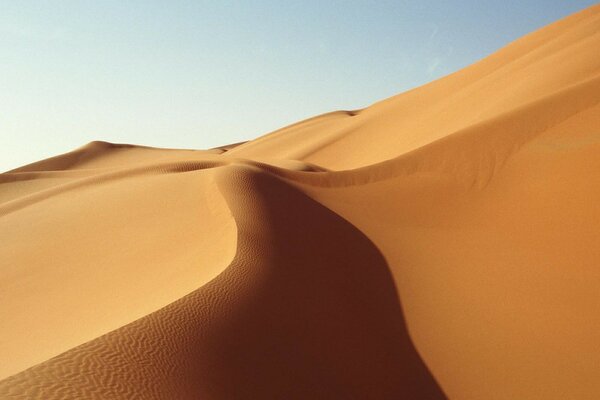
(198, 74)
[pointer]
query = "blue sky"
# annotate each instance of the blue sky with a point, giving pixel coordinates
(198, 74)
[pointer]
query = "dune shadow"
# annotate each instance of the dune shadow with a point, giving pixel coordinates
(323, 318)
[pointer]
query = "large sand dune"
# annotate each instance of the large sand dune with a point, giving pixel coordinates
(443, 243)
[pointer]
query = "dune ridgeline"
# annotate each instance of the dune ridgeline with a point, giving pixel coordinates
(442, 243)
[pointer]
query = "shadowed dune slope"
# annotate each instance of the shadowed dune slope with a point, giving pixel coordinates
(443, 243)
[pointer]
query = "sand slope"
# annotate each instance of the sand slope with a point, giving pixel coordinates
(439, 244)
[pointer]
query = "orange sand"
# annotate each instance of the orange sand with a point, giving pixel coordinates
(443, 243)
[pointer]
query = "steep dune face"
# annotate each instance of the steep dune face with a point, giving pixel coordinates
(439, 244)
(500, 282)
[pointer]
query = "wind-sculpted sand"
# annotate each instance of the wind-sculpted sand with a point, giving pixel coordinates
(442, 243)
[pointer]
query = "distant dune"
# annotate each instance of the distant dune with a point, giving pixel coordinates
(443, 243)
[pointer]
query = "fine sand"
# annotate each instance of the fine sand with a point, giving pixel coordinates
(443, 243)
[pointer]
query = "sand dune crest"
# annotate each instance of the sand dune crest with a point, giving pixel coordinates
(439, 244)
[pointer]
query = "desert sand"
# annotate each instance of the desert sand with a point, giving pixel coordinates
(442, 243)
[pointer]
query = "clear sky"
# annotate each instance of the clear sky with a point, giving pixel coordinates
(198, 74)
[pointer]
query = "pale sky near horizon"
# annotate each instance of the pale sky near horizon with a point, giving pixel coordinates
(199, 74)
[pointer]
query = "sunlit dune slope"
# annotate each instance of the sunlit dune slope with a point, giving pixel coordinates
(442, 243)
(538, 65)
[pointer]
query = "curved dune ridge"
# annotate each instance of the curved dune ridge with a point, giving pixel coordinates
(442, 243)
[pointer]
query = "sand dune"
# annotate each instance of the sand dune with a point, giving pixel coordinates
(442, 243)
